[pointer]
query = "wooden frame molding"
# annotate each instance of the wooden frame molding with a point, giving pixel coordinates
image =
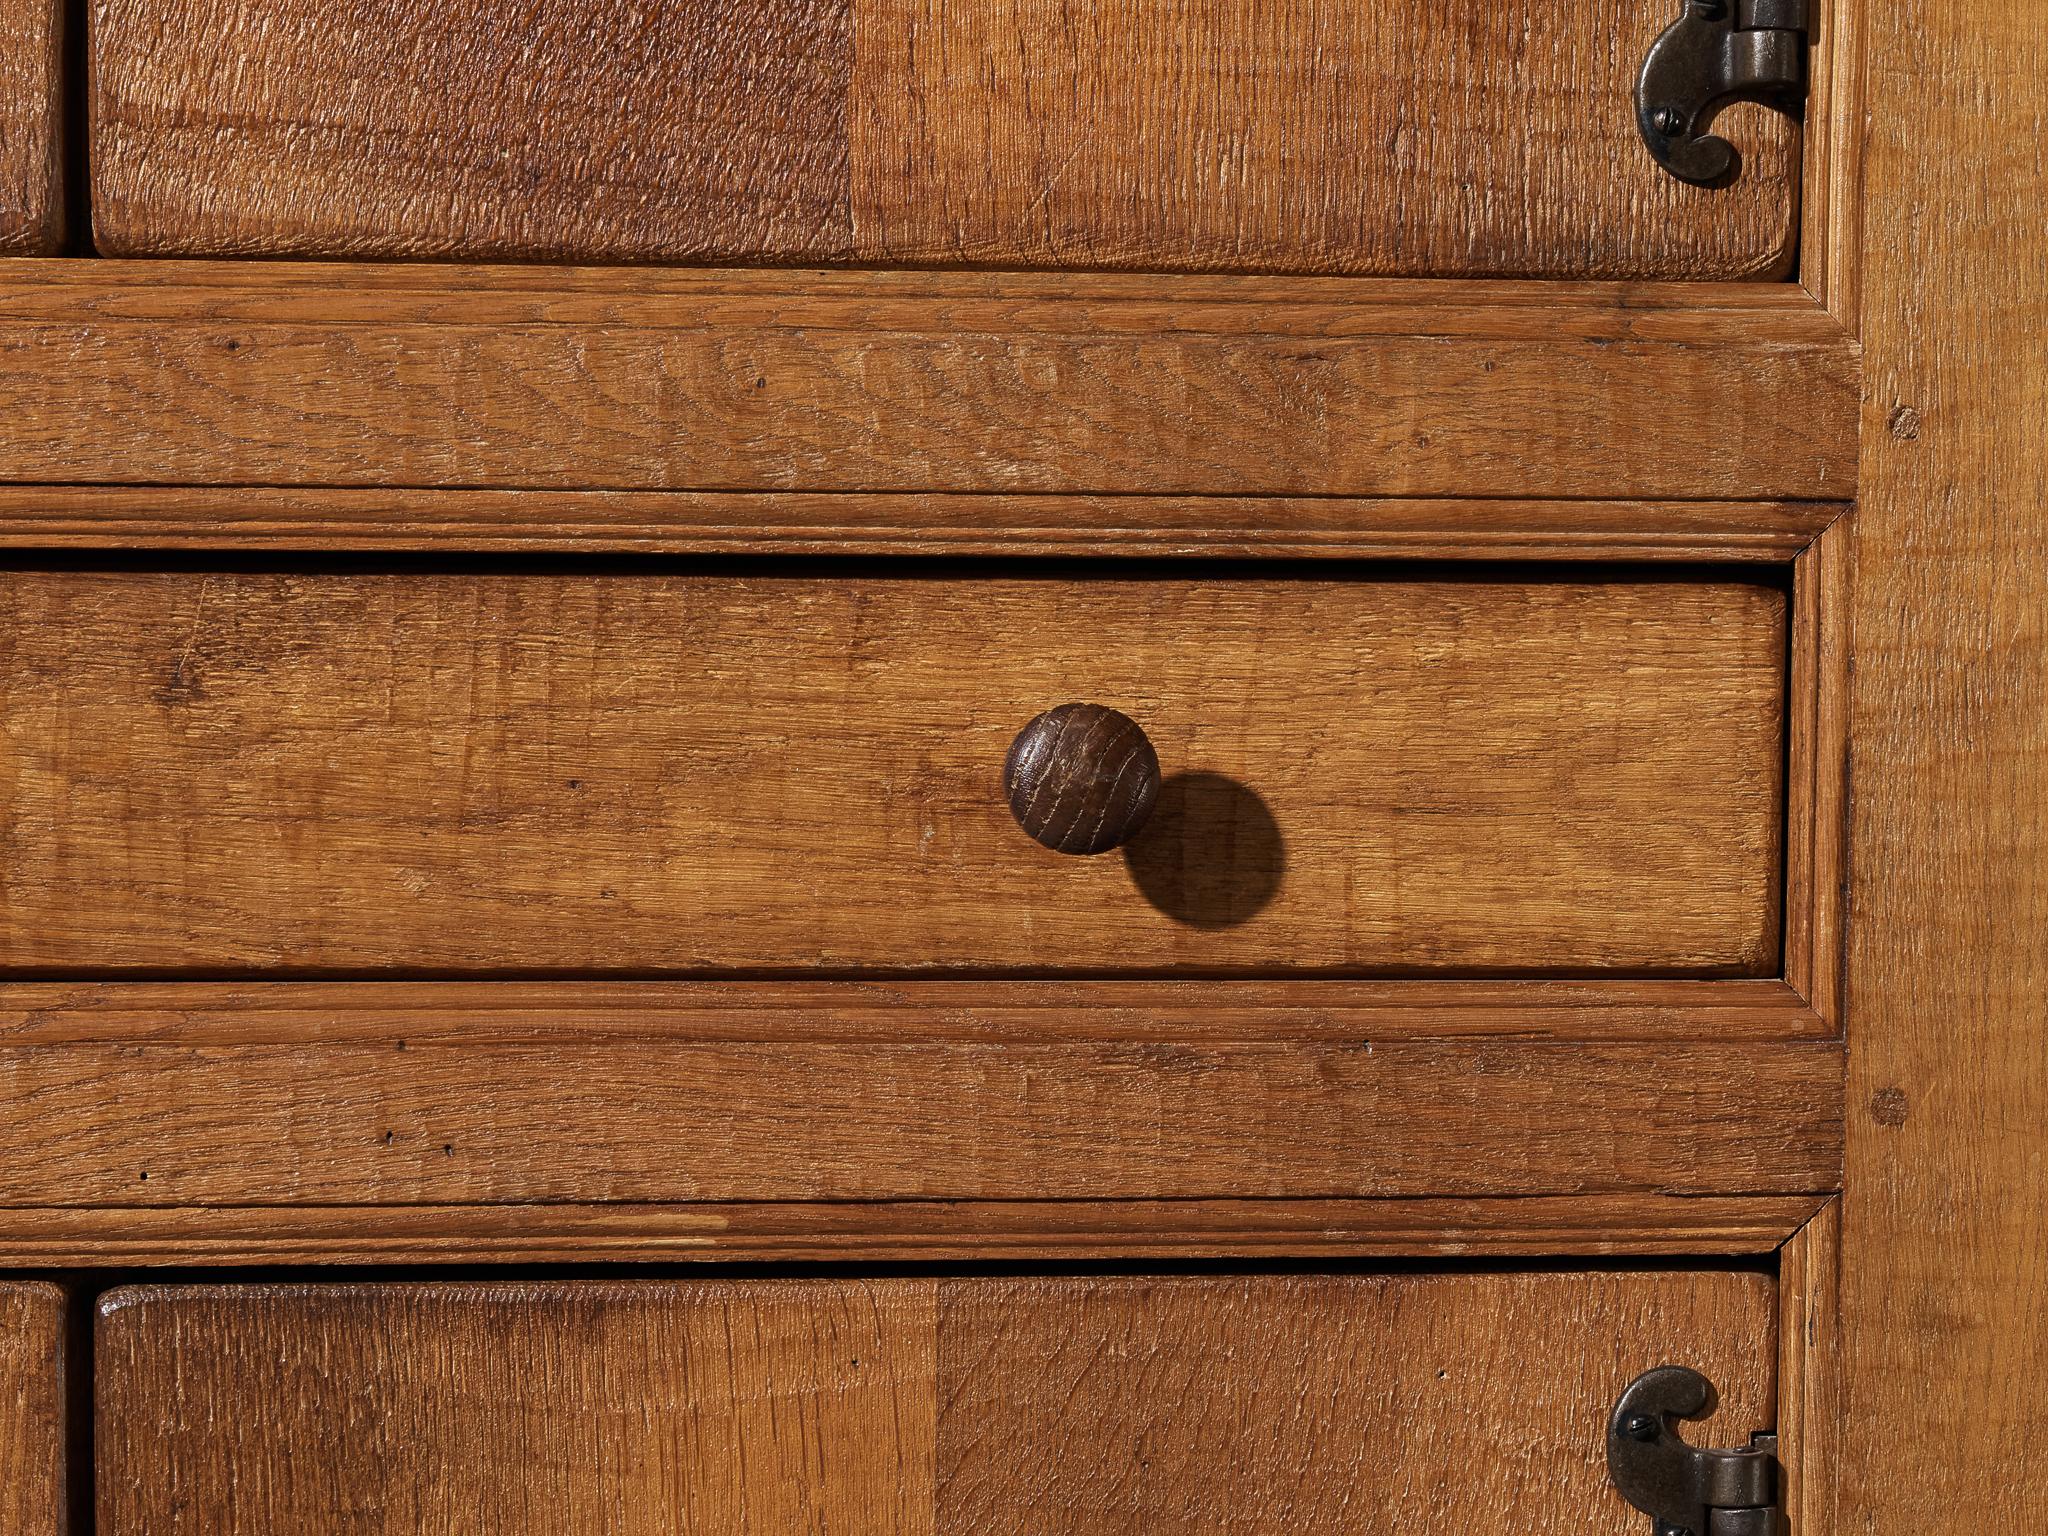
(1831, 175)
(1809, 1370)
(320, 519)
(957, 1232)
(791, 1118)
(529, 1013)
(1817, 780)
(493, 379)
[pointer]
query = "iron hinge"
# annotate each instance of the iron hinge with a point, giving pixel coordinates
(1686, 1490)
(1718, 51)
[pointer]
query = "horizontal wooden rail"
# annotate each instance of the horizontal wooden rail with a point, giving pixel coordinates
(356, 1123)
(439, 378)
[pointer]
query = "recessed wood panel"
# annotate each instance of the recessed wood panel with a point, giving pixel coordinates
(604, 128)
(32, 1410)
(1348, 136)
(953, 1407)
(1425, 1403)
(1311, 136)
(635, 773)
(541, 1410)
(31, 156)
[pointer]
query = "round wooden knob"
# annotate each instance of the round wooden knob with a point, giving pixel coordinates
(1081, 778)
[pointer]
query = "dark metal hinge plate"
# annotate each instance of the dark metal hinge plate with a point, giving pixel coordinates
(1718, 51)
(1684, 1489)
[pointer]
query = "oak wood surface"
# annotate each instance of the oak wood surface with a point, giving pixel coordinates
(1319, 135)
(1832, 151)
(471, 379)
(1945, 1221)
(662, 1122)
(905, 1231)
(1817, 780)
(963, 1406)
(1810, 1371)
(269, 1012)
(850, 523)
(634, 773)
(1272, 1406)
(764, 1407)
(32, 1410)
(31, 127)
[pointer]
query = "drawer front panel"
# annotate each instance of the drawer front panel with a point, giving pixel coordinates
(1313, 136)
(627, 774)
(1082, 1405)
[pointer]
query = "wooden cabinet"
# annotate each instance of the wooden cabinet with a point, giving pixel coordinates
(527, 535)
(510, 763)
(1092, 1405)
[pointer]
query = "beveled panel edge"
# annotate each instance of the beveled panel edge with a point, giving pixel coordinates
(524, 1013)
(1817, 769)
(1831, 173)
(1809, 1369)
(960, 1232)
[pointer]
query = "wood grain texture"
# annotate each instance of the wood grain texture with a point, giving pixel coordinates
(1292, 1405)
(32, 1410)
(1810, 1371)
(702, 522)
(1817, 804)
(31, 127)
(761, 1408)
(653, 774)
(510, 379)
(854, 1012)
(656, 1122)
(598, 128)
(1945, 1224)
(1315, 136)
(1831, 178)
(896, 1405)
(905, 1231)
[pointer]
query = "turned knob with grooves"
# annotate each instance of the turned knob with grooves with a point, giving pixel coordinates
(1081, 778)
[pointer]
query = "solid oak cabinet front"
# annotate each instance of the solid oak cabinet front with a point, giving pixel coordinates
(1130, 724)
